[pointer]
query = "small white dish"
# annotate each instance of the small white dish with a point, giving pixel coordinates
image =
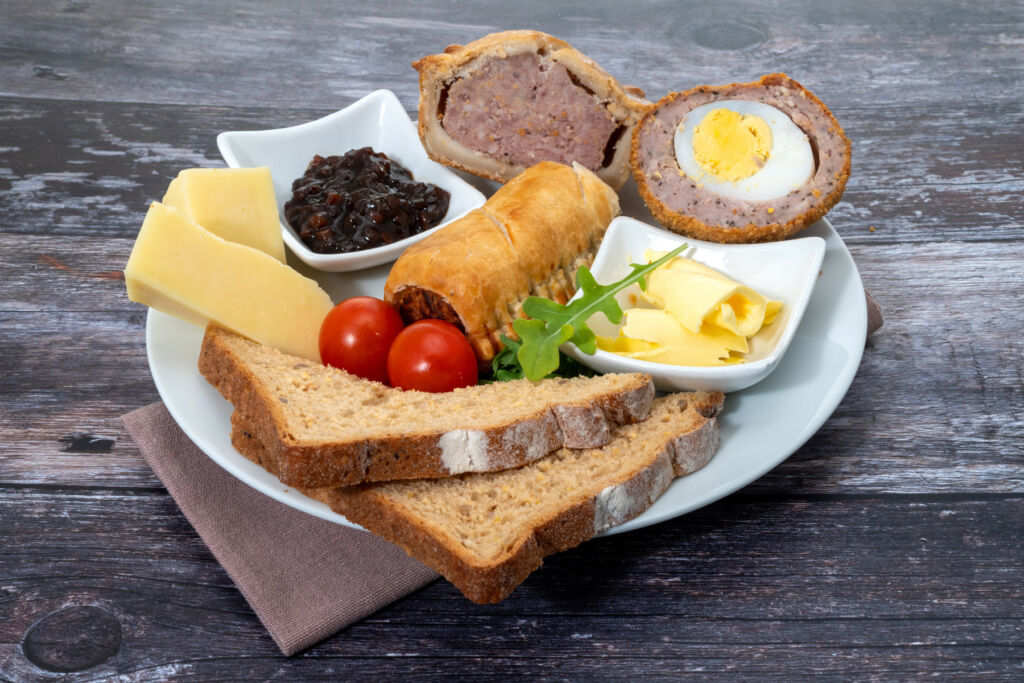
(377, 120)
(784, 271)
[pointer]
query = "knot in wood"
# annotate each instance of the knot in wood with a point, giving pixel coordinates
(73, 639)
(729, 35)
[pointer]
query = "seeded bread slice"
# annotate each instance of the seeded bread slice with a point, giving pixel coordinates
(325, 427)
(486, 532)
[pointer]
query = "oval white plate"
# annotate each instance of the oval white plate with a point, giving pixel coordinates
(760, 426)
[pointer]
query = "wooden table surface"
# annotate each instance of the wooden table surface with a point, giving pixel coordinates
(889, 546)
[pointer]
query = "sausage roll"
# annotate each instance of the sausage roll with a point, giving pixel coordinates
(528, 239)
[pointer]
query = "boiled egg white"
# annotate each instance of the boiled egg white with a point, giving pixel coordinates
(752, 151)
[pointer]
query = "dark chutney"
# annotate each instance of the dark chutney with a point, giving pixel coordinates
(361, 200)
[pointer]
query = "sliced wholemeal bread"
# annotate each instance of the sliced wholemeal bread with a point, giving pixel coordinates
(325, 427)
(486, 532)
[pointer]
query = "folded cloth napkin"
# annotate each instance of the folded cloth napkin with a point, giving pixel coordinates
(874, 313)
(304, 577)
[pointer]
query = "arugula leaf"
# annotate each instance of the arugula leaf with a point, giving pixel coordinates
(506, 367)
(570, 367)
(551, 324)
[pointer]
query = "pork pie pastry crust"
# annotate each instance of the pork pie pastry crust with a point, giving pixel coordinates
(509, 100)
(681, 204)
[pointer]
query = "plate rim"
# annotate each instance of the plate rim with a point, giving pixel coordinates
(237, 465)
(830, 401)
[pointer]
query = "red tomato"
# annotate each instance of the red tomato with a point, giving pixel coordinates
(356, 335)
(431, 355)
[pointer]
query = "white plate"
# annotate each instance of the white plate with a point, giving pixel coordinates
(784, 271)
(377, 120)
(760, 426)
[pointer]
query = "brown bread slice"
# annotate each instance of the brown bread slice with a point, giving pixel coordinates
(486, 532)
(324, 427)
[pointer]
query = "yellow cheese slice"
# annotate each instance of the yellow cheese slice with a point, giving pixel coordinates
(709, 347)
(703, 318)
(624, 345)
(186, 271)
(681, 355)
(237, 204)
(702, 356)
(695, 293)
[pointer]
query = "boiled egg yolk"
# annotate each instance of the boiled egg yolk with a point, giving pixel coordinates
(743, 150)
(731, 146)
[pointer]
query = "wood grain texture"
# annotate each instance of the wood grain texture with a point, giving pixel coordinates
(748, 586)
(193, 53)
(919, 364)
(888, 546)
(919, 175)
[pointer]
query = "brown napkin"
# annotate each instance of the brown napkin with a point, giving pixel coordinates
(874, 313)
(304, 577)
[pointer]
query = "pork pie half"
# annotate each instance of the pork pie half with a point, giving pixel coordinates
(512, 99)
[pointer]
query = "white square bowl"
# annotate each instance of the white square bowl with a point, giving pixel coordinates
(378, 121)
(784, 271)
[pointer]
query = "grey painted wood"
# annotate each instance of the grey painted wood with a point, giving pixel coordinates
(321, 54)
(918, 175)
(889, 546)
(750, 586)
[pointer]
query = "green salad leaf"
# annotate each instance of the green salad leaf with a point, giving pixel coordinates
(551, 324)
(506, 367)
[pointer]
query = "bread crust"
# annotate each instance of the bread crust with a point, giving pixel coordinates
(438, 71)
(693, 226)
(527, 240)
(394, 455)
(576, 521)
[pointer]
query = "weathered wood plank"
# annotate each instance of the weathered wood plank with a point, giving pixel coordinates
(320, 55)
(887, 547)
(919, 174)
(932, 354)
(748, 586)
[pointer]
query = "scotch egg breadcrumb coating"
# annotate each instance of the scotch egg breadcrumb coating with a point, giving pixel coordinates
(745, 162)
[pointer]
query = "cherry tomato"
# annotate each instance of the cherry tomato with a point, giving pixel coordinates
(431, 355)
(356, 335)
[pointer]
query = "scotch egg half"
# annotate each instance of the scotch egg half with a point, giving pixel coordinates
(744, 162)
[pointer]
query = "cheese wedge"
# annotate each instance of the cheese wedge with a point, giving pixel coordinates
(237, 204)
(182, 269)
